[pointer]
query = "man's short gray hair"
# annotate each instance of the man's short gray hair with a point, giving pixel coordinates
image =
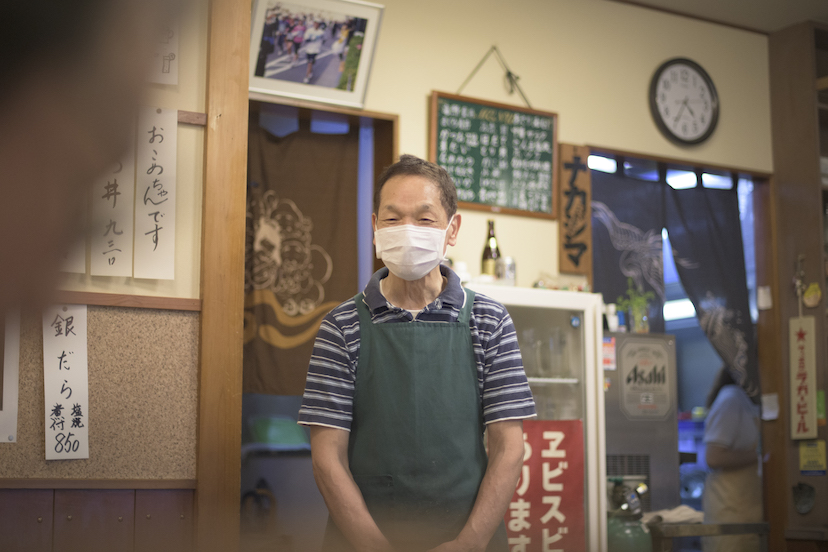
(410, 165)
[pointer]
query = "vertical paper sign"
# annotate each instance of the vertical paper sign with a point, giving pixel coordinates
(10, 357)
(113, 197)
(547, 509)
(155, 193)
(575, 204)
(803, 377)
(65, 381)
(165, 57)
(74, 259)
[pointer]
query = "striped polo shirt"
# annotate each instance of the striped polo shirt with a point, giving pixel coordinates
(329, 391)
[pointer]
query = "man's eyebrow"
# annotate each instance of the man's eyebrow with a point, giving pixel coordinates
(422, 208)
(389, 207)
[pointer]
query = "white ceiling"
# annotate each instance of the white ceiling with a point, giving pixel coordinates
(761, 15)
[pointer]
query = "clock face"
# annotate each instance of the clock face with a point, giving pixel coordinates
(684, 102)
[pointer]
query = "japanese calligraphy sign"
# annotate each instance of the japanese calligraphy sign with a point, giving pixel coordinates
(547, 509)
(113, 197)
(575, 216)
(65, 381)
(74, 258)
(10, 357)
(155, 186)
(164, 68)
(803, 386)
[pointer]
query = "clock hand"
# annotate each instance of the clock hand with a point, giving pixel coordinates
(688, 108)
(678, 115)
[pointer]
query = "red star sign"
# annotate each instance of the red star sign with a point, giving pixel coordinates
(800, 335)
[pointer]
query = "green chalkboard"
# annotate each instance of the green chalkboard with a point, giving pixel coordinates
(502, 158)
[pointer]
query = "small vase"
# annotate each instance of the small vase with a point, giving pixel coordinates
(639, 321)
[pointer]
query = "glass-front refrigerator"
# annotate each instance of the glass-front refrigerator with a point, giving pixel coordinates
(560, 500)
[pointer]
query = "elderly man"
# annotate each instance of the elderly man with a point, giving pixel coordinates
(405, 378)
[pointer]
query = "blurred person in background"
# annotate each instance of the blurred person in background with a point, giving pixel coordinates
(733, 488)
(71, 76)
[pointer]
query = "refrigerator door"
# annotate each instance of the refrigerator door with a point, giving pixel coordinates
(560, 336)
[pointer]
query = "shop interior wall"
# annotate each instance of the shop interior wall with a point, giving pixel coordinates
(143, 390)
(588, 60)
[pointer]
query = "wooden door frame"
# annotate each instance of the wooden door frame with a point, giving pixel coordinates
(222, 269)
(768, 332)
(218, 461)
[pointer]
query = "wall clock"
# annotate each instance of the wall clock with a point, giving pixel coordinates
(684, 102)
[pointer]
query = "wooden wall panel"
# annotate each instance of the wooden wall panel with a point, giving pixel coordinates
(771, 375)
(222, 278)
(797, 199)
(163, 521)
(26, 520)
(94, 521)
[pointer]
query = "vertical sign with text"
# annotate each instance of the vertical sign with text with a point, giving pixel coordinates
(66, 382)
(164, 67)
(113, 197)
(802, 343)
(155, 187)
(547, 509)
(73, 260)
(575, 217)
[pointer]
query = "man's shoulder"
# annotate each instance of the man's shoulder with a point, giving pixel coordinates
(486, 306)
(344, 314)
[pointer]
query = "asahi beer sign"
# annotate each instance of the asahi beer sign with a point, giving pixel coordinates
(645, 384)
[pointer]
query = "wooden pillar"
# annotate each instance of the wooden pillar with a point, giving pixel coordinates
(222, 278)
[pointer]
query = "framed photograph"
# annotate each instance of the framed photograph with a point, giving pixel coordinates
(319, 50)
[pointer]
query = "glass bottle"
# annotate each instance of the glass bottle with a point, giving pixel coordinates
(490, 252)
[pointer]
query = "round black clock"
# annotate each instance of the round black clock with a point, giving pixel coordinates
(683, 101)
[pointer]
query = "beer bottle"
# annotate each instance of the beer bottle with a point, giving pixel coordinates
(490, 252)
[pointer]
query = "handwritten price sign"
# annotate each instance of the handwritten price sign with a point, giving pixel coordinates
(66, 382)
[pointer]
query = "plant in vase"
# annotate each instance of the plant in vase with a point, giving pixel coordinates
(637, 303)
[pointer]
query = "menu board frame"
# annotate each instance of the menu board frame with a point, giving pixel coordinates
(433, 138)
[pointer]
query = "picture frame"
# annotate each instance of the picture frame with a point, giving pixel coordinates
(317, 50)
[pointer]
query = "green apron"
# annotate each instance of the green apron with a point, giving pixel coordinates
(416, 445)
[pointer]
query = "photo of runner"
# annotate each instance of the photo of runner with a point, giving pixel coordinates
(303, 45)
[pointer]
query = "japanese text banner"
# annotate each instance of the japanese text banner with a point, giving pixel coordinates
(66, 382)
(547, 509)
(803, 378)
(113, 197)
(155, 187)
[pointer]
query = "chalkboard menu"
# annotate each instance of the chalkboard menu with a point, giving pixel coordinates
(502, 158)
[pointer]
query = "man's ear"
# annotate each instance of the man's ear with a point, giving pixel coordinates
(453, 230)
(374, 227)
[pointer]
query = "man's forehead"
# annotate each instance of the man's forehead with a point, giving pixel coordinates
(411, 187)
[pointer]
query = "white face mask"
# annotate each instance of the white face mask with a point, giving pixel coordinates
(410, 252)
